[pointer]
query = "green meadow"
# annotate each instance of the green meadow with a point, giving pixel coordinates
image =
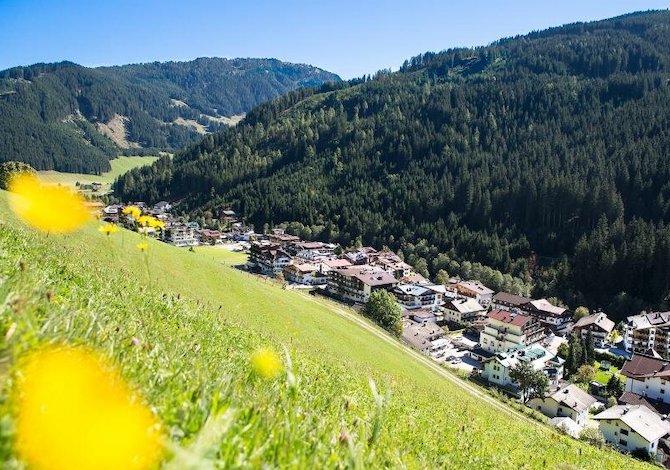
(181, 326)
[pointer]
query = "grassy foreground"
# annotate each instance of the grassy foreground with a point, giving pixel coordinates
(120, 165)
(182, 332)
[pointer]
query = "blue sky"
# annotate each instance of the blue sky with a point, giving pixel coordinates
(347, 37)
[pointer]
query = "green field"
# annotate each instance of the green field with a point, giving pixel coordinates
(603, 376)
(120, 166)
(197, 319)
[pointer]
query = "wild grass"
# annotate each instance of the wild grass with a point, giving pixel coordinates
(347, 398)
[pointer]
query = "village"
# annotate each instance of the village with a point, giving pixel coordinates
(501, 340)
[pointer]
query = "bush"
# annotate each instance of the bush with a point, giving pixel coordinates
(642, 454)
(593, 436)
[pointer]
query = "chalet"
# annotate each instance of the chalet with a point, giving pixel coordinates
(331, 264)
(161, 207)
(648, 331)
(360, 256)
(633, 427)
(228, 215)
(508, 302)
(306, 274)
(418, 296)
(283, 239)
(241, 232)
(497, 368)
(179, 234)
(427, 338)
(556, 318)
(210, 237)
(463, 311)
(356, 283)
(505, 330)
(112, 213)
(473, 289)
(570, 401)
(598, 324)
(312, 251)
(267, 258)
(647, 377)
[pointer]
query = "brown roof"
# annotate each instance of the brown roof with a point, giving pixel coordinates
(511, 299)
(640, 366)
(507, 317)
(630, 398)
(370, 275)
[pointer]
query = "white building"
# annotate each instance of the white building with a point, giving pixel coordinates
(356, 283)
(180, 235)
(463, 311)
(427, 338)
(556, 318)
(473, 289)
(648, 377)
(649, 331)
(307, 274)
(497, 368)
(268, 258)
(506, 330)
(419, 295)
(569, 402)
(632, 427)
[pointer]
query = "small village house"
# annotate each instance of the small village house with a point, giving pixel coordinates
(463, 311)
(413, 296)
(508, 302)
(630, 428)
(473, 289)
(497, 368)
(306, 274)
(598, 324)
(570, 402)
(555, 318)
(647, 377)
(268, 258)
(427, 338)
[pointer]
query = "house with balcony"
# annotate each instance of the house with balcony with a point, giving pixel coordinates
(568, 402)
(647, 382)
(464, 311)
(415, 296)
(179, 234)
(648, 332)
(505, 330)
(427, 338)
(497, 368)
(555, 318)
(267, 258)
(473, 289)
(305, 274)
(598, 324)
(630, 428)
(508, 302)
(356, 283)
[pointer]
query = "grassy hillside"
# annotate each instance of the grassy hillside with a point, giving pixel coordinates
(182, 331)
(120, 165)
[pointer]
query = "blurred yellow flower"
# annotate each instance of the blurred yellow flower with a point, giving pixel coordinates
(108, 229)
(266, 363)
(157, 224)
(145, 220)
(143, 246)
(53, 209)
(76, 412)
(133, 211)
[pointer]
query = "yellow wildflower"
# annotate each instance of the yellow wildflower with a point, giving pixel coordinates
(76, 412)
(133, 211)
(145, 220)
(266, 363)
(46, 207)
(143, 246)
(108, 229)
(157, 224)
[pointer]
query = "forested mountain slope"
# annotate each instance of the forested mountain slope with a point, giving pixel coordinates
(72, 118)
(542, 155)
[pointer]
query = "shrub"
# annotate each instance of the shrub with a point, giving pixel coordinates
(593, 436)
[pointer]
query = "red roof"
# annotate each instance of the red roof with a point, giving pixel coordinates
(507, 317)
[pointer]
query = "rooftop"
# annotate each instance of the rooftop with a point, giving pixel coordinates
(543, 305)
(574, 397)
(641, 419)
(464, 305)
(598, 319)
(370, 275)
(511, 299)
(476, 286)
(509, 318)
(640, 366)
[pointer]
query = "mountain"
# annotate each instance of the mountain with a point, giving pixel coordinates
(543, 156)
(71, 118)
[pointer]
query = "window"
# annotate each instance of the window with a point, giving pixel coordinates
(623, 443)
(662, 391)
(560, 409)
(624, 432)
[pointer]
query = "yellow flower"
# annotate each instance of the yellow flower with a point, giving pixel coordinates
(108, 229)
(133, 211)
(76, 412)
(48, 208)
(157, 224)
(266, 363)
(143, 246)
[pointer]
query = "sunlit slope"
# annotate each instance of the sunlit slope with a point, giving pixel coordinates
(181, 326)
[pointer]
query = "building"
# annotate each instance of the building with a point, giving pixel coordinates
(497, 368)
(179, 234)
(648, 331)
(357, 283)
(556, 318)
(361, 256)
(283, 239)
(647, 377)
(598, 324)
(508, 302)
(391, 263)
(331, 264)
(463, 311)
(307, 274)
(506, 330)
(418, 296)
(569, 402)
(632, 427)
(427, 338)
(210, 237)
(242, 233)
(267, 258)
(473, 289)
